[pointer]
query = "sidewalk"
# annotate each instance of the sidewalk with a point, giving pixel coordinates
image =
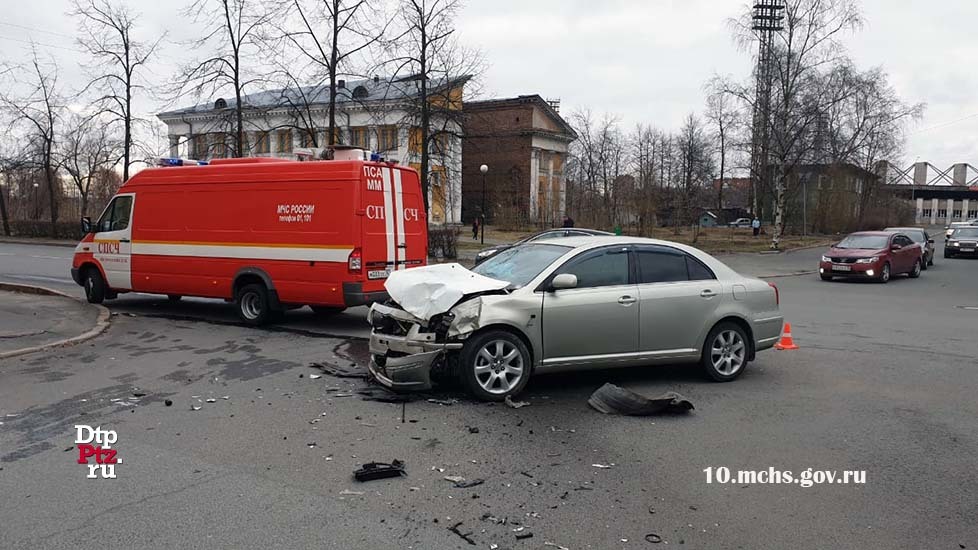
(30, 322)
(40, 241)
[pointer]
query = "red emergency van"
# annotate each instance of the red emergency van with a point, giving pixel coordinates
(269, 234)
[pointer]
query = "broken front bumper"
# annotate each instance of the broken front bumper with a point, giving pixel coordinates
(405, 362)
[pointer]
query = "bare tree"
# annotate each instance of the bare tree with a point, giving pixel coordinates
(722, 114)
(231, 47)
(696, 163)
(329, 35)
(38, 109)
(87, 149)
(106, 33)
(427, 51)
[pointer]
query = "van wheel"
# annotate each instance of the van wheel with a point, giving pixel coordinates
(725, 352)
(326, 311)
(94, 286)
(174, 297)
(495, 365)
(252, 304)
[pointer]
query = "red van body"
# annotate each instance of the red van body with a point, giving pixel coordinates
(273, 233)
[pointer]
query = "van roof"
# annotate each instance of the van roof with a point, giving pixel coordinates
(255, 169)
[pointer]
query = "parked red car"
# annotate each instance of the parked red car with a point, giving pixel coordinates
(876, 255)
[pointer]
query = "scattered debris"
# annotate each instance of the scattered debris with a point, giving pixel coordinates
(225, 397)
(380, 470)
(138, 394)
(467, 537)
(473, 429)
(555, 545)
(612, 399)
(212, 400)
(384, 396)
(337, 371)
(194, 408)
(69, 449)
(454, 479)
(311, 445)
(524, 535)
(445, 402)
(168, 403)
(604, 466)
(347, 492)
(653, 538)
(515, 404)
(315, 376)
(471, 483)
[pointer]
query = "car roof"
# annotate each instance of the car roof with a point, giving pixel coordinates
(579, 229)
(872, 233)
(905, 229)
(598, 241)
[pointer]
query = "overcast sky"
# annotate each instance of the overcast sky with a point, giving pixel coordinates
(643, 60)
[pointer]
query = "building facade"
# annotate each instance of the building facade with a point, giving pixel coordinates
(378, 115)
(524, 142)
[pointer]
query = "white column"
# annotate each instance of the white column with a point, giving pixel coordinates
(920, 211)
(933, 212)
(950, 210)
(534, 182)
(272, 143)
(174, 146)
(964, 208)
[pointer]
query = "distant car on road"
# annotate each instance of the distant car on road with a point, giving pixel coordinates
(566, 304)
(954, 225)
(963, 242)
(876, 255)
(740, 223)
(921, 237)
(542, 235)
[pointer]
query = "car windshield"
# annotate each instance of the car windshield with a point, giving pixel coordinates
(873, 242)
(966, 232)
(915, 234)
(520, 264)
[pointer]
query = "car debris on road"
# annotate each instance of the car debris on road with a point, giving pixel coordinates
(380, 470)
(611, 399)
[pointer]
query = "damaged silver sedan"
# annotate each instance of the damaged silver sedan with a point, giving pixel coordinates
(573, 303)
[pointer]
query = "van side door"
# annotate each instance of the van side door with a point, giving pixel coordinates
(113, 241)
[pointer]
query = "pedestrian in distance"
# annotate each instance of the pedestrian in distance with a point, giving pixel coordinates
(756, 226)
(475, 228)
(568, 221)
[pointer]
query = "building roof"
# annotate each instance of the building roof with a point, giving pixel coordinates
(353, 92)
(533, 99)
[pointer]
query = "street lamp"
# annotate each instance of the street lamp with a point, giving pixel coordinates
(483, 169)
(37, 209)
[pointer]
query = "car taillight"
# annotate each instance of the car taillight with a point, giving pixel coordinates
(777, 293)
(355, 262)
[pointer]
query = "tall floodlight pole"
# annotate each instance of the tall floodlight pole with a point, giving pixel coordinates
(767, 20)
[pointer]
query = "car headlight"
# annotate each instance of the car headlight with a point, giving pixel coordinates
(872, 260)
(485, 253)
(955, 243)
(826, 259)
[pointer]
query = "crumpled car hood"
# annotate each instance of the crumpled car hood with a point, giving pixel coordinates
(430, 290)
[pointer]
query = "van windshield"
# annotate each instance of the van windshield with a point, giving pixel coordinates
(521, 264)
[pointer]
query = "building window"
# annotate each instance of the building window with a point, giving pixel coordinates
(414, 141)
(308, 138)
(261, 143)
(942, 213)
(972, 214)
(441, 143)
(956, 214)
(219, 148)
(926, 213)
(284, 141)
(387, 138)
(199, 146)
(358, 137)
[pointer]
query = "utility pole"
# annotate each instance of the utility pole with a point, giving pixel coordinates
(482, 226)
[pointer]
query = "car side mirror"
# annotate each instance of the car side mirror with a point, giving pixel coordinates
(86, 225)
(563, 281)
(896, 247)
(930, 241)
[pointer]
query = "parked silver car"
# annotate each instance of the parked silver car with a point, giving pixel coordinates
(565, 304)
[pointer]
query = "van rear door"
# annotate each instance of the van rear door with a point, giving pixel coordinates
(394, 232)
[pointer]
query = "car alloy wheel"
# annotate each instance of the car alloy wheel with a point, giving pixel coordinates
(885, 274)
(728, 352)
(916, 270)
(499, 367)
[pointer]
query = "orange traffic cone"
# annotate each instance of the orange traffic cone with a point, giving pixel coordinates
(786, 341)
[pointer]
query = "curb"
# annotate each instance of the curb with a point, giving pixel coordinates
(101, 323)
(785, 275)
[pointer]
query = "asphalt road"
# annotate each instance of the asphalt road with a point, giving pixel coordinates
(884, 383)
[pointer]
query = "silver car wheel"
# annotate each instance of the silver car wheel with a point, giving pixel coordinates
(728, 352)
(498, 367)
(251, 305)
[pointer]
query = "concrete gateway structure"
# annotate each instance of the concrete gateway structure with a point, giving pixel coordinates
(378, 114)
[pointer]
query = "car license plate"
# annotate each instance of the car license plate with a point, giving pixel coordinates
(378, 274)
(841, 268)
(967, 250)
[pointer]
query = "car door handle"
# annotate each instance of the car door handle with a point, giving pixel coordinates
(707, 294)
(627, 300)
(123, 240)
